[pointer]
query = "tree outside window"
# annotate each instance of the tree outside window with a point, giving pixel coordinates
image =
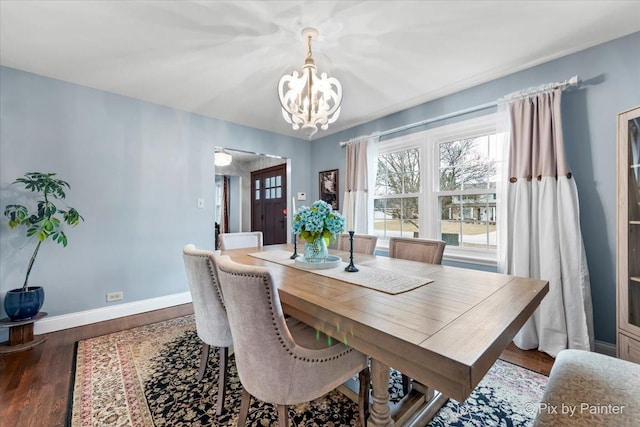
(441, 184)
(467, 182)
(396, 206)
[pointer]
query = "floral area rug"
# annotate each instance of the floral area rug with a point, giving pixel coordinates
(146, 376)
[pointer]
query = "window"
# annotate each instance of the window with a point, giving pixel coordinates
(441, 183)
(397, 192)
(272, 188)
(466, 191)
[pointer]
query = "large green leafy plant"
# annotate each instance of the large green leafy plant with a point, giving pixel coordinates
(45, 220)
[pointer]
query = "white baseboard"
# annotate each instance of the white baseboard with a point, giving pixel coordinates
(81, 318)
(604, 347)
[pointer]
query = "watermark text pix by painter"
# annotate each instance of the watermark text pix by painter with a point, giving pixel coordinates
(574, 409)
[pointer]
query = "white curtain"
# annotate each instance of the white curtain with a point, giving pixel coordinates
(359, 169)
(539, 226)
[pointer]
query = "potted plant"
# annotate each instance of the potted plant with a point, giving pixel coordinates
(43, 222)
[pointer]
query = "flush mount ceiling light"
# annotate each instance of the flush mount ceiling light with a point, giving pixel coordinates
(222, 158)
(308, 100)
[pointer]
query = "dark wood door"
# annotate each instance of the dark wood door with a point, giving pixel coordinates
(268, 209)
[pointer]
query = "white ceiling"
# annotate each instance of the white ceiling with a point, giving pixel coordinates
(223, 59)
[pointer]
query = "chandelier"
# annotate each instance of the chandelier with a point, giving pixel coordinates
(308, 100)
(222, 158)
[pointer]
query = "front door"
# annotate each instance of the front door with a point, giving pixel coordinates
(269, 203)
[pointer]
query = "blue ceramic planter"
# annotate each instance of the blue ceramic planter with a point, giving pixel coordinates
(20, 304)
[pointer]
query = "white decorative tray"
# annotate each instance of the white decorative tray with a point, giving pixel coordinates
(332, 261)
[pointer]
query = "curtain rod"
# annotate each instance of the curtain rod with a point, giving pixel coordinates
(573, 81)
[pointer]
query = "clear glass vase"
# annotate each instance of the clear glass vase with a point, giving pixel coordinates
(316, 251)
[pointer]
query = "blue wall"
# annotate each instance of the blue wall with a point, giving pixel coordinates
(611, 76)
(136, 170)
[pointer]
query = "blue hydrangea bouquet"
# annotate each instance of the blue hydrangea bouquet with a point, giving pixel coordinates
(317, 221)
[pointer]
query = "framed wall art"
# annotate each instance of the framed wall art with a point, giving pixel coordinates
(329, 187)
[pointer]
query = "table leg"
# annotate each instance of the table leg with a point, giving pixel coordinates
(380, 414)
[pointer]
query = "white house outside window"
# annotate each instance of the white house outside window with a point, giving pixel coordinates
(441, 184)
(467, 191)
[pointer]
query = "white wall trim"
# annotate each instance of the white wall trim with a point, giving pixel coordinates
(81, 318)
(471, 257)
(604, 347)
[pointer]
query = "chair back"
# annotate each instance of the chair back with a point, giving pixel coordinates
(262, 341)
(362, 243)
(208, 305)
(414, 249)
(229, 241)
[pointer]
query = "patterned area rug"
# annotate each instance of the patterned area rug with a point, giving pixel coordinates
(146, 377)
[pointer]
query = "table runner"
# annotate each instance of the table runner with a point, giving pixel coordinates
(386, 281)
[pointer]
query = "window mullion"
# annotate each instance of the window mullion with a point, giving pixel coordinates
(469, 192)
(430, 203)
(397, 196)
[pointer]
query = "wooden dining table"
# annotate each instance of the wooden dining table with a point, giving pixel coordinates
(445, 334)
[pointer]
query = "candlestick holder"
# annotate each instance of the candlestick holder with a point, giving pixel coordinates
(351, 268)
(295, 247)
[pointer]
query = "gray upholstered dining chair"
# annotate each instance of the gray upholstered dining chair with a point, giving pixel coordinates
(362, 243)
(281, 361)
(415, 249)
(249, 239)
(211, 317)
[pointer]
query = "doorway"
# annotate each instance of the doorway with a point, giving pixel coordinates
(228, 211)
(269, 203)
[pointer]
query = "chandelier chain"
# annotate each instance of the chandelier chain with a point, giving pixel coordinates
(309, 46)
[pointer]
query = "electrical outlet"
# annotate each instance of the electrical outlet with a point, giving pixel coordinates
(114, 296)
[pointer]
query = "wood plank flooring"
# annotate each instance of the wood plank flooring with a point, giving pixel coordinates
(34, 384)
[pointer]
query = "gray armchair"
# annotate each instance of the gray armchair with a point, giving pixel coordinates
(281, 361)
(211, 317)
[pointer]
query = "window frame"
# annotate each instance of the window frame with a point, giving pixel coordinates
(427, 142)
(402, 143)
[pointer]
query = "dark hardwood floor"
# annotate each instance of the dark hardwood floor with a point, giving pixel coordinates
(34, 384)
(530, 359)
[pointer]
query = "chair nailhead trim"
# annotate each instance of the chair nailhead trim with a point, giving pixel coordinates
(273, 321)
(213, 277)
